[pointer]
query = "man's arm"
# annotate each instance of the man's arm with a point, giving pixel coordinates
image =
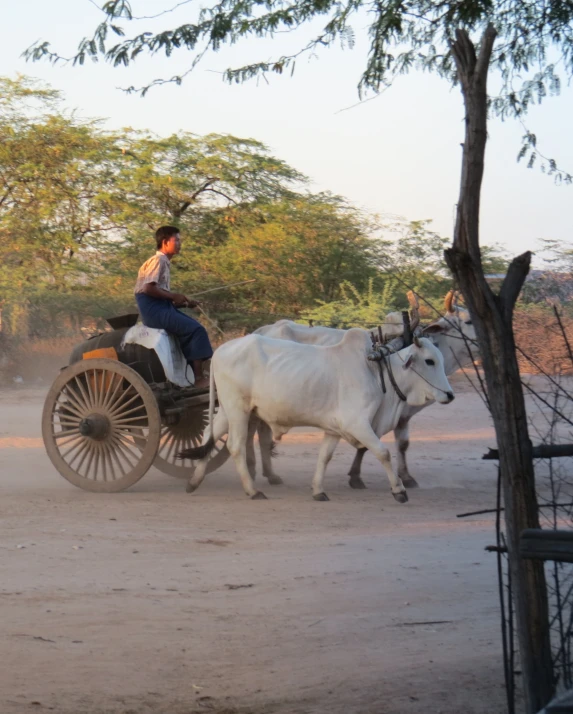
(178, 299)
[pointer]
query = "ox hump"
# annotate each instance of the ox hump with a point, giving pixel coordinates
(356, 338)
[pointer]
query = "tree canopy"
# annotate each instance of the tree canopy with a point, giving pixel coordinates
(79, 205)
(533, 51)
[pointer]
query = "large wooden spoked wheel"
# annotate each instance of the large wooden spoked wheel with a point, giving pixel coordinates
(90, 417)
(186, 433)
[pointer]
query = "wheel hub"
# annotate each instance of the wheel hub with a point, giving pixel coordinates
(95, 426)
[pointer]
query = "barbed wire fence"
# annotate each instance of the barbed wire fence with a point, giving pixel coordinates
(546, 362)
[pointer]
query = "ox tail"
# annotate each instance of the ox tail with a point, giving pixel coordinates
(211, 398)
(200, 452)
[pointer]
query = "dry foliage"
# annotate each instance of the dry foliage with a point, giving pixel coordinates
(539, 336)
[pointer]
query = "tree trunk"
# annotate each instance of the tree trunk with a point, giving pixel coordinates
(492, 318)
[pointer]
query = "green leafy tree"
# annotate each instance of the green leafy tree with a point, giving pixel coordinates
(353, 308)
(182, 173)
(494, 259)
(413, 259)
(298, 251)
(80, 205)
(410, 256)
(51, 169)
(197, 183)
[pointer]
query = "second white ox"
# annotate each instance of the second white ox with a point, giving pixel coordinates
(334, 388)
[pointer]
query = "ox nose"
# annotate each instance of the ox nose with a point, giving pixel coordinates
(450, 396)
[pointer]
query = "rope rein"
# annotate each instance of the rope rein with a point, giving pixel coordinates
(388, 366)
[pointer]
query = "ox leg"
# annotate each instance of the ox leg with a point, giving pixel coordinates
(327, 447)
(370, 441)
(266, 445)
(237, 445)
(220, 428)
(401, 435)
(251, 460)
(355, 480)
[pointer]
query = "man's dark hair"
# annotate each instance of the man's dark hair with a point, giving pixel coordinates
(165, 233)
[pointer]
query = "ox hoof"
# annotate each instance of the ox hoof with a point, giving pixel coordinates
(259, 496)
(321, 497)
(275, 480)
(356, 482)
(410, 483)
(401, 497)
(191, 487)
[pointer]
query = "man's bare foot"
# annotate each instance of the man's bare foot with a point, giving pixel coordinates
(202, 383)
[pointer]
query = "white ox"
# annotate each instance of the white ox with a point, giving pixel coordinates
(453, 334)
(334, 388)
(288, 330)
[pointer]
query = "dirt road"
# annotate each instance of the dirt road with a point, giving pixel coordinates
(153, 601)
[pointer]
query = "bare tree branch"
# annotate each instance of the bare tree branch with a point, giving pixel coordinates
(486, 49)
(513, 282)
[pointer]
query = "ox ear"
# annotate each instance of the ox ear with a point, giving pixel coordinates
(408, 363)
(434, 329)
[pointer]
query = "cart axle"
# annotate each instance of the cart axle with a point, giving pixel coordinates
(96, 426)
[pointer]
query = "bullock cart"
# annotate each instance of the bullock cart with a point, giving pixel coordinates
(125, 402)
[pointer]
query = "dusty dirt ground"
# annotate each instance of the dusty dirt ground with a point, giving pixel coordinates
(153, 601)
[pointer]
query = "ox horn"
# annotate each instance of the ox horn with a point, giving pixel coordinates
(415, 311)
(413, 299)
(448, 301)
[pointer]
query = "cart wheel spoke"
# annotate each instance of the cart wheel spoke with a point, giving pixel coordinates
(102, 388)
(119, 452)
(89, 461)
(121, 410)
(96, 461)
(171, 448)
(185, 434)
(74, 402)
(111, 395)
(85, 455)
(75, 443)
(81, 449)
(123, 450)
(68, 410)
(83, 397)
(68, 434)
(120, 468)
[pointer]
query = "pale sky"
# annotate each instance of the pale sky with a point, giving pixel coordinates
(396, 154)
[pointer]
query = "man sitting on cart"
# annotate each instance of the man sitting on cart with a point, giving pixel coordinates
(158, 305)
